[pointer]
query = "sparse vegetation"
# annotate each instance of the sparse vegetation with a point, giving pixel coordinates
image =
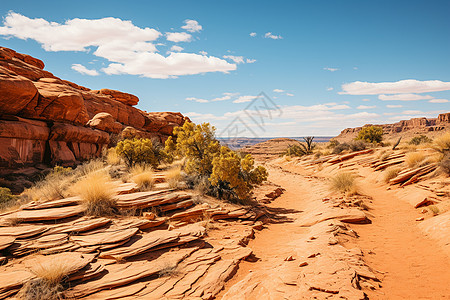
(141, 151)
(6, 198)
(173, 177)
(96, 194)
(143, 176)
(344, 182)
(391, 173)
(421, 139)
(444, 165)
(414, 159)
(397, 143)
(48, 284)
(302, 148)
(442, 143)
(350, 146)
(370, 134)
(112, 158)
(434, 210)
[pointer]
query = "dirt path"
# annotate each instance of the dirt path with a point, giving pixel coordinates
(414, 266)
(410, 265)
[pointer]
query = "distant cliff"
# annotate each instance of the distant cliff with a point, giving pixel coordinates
(405, 127)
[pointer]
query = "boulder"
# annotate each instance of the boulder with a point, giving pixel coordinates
(16, 92)
(105, 121)
(125, 98)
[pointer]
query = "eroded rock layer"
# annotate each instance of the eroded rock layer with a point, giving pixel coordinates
(44, 119)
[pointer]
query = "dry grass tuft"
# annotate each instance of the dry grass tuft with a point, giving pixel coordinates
(112, 158)
(442, 143)
(414, 159)
(143, 176)
(173, 177)
(48, 284)
(391, 173)
(344, 182)
(96, 193)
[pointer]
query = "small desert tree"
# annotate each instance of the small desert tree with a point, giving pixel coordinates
(234, 176)
(140, 151)
(370, 134)
(197, 144)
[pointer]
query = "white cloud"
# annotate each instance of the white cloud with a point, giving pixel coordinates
(130, 49)
(330, 88)
(236, 59)
(331, 69)
(394, 106)
(269, 35)
(203, 52)
(366, 100)
(278, 91)
(404, 97)
(243, 99)
(366, 107)
(398, 87)
(176, 48)
(438, 101)
(178, 37)
(197, 100)
(250, 60)
(192, 26)
(83, 70)
(289, 94)
(252, 34)
(226, 96)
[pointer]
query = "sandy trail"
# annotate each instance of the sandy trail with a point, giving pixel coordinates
(410, 265)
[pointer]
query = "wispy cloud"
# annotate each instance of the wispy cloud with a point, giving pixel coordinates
(83, 70)
(438, 101)
(176, 48)
(331, 69)
(252, 34)
(404, 97)
(394, 106)
(330, 88)
(408, 86)
(269, 35)
(199, 100)
(244, 99)
(366, 107)
(279, 91)
(178, 37)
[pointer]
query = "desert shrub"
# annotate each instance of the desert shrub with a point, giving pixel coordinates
(234, 177)
(444, 165)
(357, 145)
(53, 186)
(141, 151)
(143, 176)
(340, 147)
(92, 166)
(414, 159)
(96, 193)
(442, 143)
(343, 182)
(370, 134)
(303, 148)
(217, 170)
(332, 144)
(6, 198)
(391, 173)
(434, 210)
(173, 177)
(421, 139)
(197, 143)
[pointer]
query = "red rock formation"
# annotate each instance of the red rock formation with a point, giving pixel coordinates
(412, 126)
(44, 117)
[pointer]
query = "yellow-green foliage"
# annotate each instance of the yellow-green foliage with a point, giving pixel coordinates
(143, 176)
(6, 198)
(141, 151)
(370, 134)
(420, 139)
(414, 159)
(343, 182)
(197, 144)
(391, 173)
(442, 143)
(236, 174)
(96, 193)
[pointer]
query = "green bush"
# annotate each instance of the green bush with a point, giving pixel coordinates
(6, 197)
(421, 139)
(302, 148)
(141, 151)
(370, 134)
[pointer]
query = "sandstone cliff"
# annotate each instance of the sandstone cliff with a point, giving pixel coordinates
(45, 119)
(404, 128)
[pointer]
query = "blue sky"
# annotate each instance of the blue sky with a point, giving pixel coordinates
(328, 65)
